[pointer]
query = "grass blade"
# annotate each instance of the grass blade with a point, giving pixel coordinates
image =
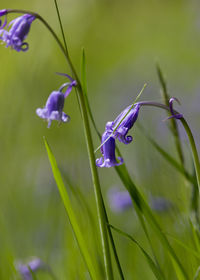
(173, 125)
(179, 167)
(193, 252)
(197, 274)
(151, 263)
(70, 212)
(143, 207)
(84, 86)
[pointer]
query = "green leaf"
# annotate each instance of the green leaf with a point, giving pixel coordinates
(151, 263)
(179, 167)
(173, 124)
(193, 252)
(68, 207)
(84, 86)
(197, 274)
(141, 205)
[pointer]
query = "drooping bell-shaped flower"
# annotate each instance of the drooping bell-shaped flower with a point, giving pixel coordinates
(123, 123)
(118, 129)
(53, 110)
(108, 158)
(16, 31)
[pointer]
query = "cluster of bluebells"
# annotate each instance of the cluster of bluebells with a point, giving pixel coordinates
(118, 129)
(14, 33)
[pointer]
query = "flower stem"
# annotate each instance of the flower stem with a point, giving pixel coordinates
(90, 148)
(190, 138)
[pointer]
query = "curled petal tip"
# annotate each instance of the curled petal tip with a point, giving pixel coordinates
(174, 99)
(174, 115)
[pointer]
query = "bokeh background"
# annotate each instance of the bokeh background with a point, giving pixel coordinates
(123, 41)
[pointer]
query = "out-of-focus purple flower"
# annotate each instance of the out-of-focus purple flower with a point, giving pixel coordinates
(123, 123)
(160, 204)
(33, 266)
(119, 200)
(108, 151)
(53, 109)
(19, 29)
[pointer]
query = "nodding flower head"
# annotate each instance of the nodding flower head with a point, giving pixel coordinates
(118, 129)
(108, 151)
(123, 123)
(53, 110)
(19, 29)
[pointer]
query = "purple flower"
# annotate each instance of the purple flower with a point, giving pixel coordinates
(108, 151)
(53, 109)
(119, 200)
(123, 123)
(19, 29)
(26, 270)
(117, 130)
(160, 204)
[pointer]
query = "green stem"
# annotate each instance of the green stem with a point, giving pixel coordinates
(97, 189)
(193, 147)
(189, 134)
(90, 148)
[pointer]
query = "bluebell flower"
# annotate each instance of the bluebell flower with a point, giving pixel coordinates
(118, 129)
(123, 123)
(119, 200)
(53, 110)
(160, 204)
(26, 270)
(108, 158)
(19, 29)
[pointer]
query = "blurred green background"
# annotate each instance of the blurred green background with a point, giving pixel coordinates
(123, 40)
